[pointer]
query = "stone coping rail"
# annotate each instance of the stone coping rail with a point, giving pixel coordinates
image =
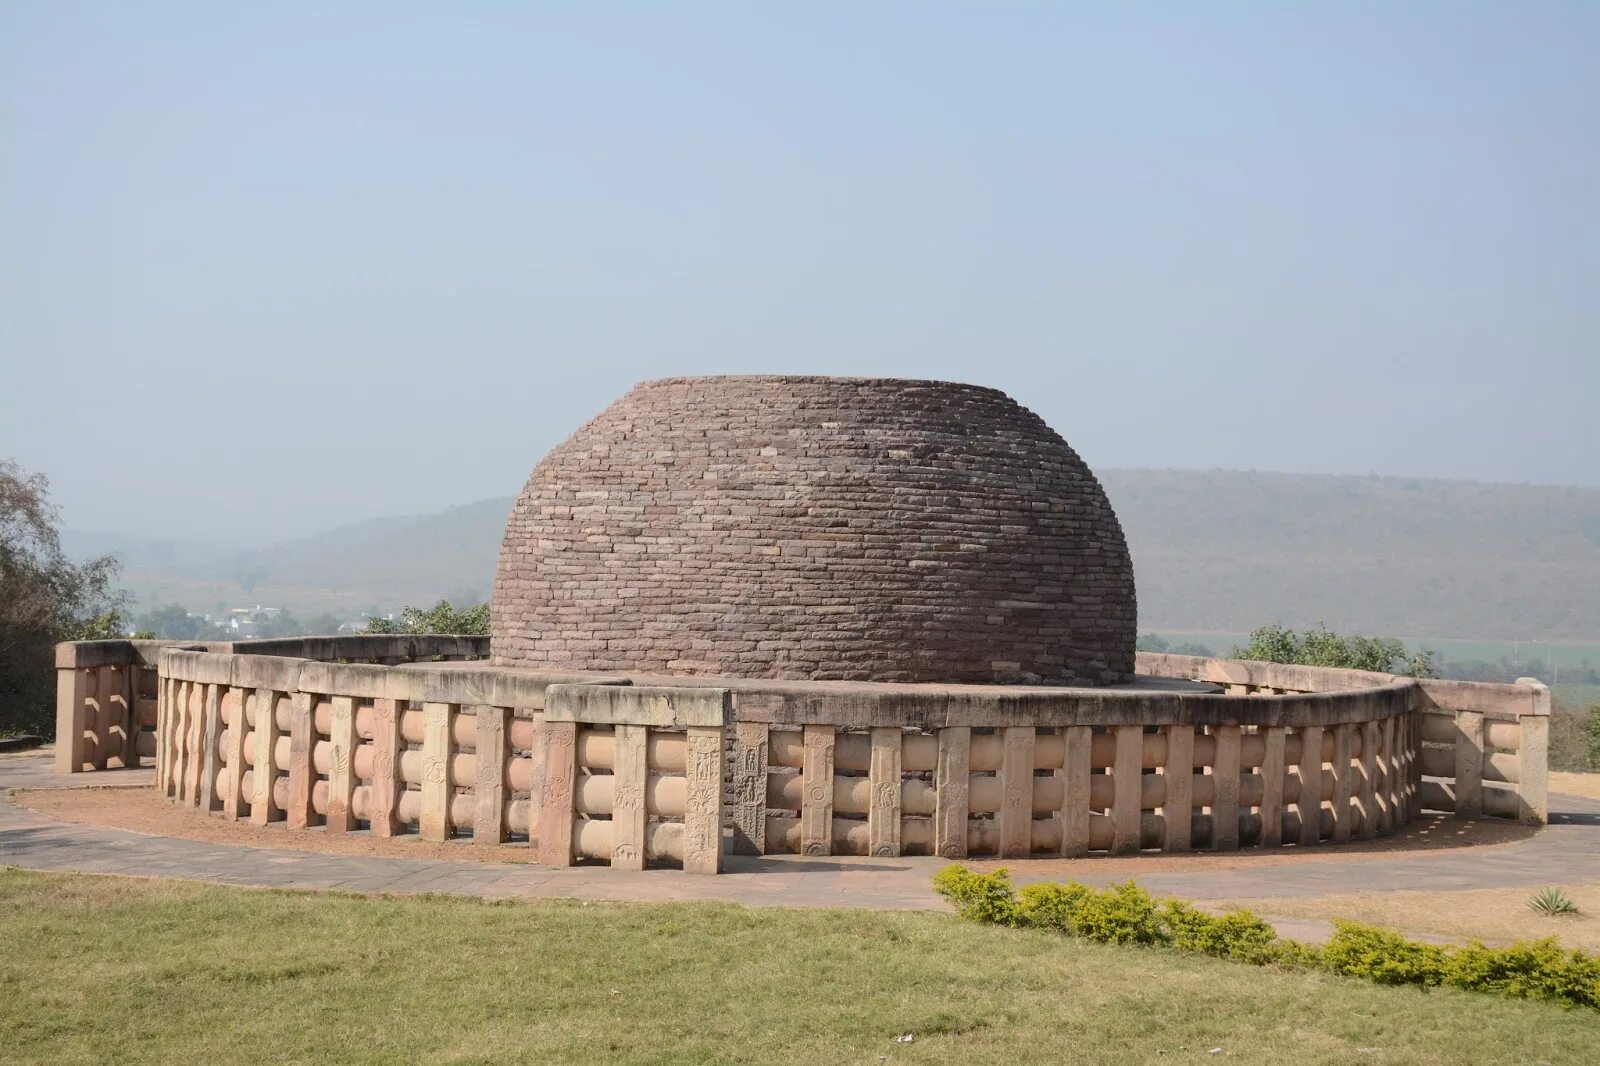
(409, 733)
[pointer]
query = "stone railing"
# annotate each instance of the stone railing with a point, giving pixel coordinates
(106, 703)
(623, 768)
(106, 690)
(1013, 772)
(1484, 747)
(590, 768)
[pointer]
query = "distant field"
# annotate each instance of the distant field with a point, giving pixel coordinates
(1583, 653)
(1559, 655)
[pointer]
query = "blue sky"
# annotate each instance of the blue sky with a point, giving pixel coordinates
(265, 269)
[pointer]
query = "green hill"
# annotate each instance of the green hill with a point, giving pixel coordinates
(1214, 550)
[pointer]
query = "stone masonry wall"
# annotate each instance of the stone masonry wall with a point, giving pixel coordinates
(817, 528)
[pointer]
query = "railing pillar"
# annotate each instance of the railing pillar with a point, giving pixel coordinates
(1469, 765)
(72, 717)
(750, 788)
(1533, 756)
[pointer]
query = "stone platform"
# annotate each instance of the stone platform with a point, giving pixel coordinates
(1199, 756)
(1564, 852)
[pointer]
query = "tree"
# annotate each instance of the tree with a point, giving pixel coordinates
(45, 598)
(281, 624)
(1156, 642)
(325, 624)
(440, 618)
(1321, 647)
(174, 622)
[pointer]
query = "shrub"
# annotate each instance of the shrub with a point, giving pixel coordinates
(1538, 969)
(1293, 955)
(979, 897)
(1051, 906)
(1527, 970)
(1382, 955)
(1123, 914)
(1126, 914)
(1237, 935)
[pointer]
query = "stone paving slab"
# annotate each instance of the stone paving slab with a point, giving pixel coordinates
(1566, 851)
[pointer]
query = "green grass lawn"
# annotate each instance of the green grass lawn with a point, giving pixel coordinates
(106, 969)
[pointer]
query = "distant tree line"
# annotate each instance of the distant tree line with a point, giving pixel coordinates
(442, 617)
(1321, 646)
(1155, 642)
(1276, 643)
(1507, 669)
(1574, 735)
(174, 622)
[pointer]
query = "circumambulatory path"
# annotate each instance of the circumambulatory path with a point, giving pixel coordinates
(1566, 851)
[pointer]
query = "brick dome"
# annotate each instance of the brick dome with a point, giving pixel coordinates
(817, 528)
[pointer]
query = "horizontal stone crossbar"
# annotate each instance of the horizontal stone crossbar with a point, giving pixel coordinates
(657, 706)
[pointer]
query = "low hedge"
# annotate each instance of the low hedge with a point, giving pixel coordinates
(1127, 914)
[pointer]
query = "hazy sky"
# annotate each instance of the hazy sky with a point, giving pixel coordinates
(268, 269)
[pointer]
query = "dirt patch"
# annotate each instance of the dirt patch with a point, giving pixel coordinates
(1568, 784)
(1493, 915)
(140, 810)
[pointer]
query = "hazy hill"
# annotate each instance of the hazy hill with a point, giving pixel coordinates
(1214, 550)
(405, 558)
(1225, 550)
(379, 563)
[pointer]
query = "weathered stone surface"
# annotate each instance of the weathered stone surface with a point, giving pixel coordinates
(630, 781)
(952, 780)
(437, 786)
(817, 528)
(749, 788)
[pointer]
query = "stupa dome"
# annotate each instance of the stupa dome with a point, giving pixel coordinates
(817, 528)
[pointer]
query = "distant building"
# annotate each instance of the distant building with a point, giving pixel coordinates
(245, 620)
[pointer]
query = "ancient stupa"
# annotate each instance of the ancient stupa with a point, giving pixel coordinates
(814, 616)
(817, 528)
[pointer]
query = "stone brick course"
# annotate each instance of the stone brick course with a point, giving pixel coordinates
(817, 528)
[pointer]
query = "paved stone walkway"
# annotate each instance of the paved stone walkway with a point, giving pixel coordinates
(1567, 851)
